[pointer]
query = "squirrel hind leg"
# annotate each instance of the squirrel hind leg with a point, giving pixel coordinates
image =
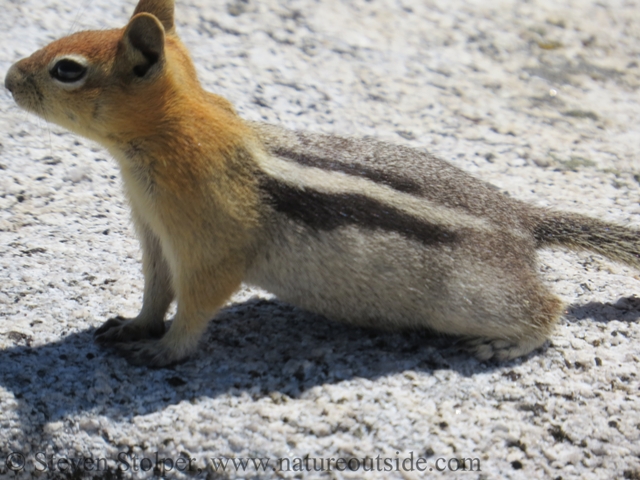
(526, 337)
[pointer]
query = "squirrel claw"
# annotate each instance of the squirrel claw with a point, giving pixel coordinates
(108, 325)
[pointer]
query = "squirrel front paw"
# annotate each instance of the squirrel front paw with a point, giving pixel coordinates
(145, 343)
(125, 330)
(149, 353)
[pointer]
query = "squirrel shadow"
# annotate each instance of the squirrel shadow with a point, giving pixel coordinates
(260, 347)
(626, 309)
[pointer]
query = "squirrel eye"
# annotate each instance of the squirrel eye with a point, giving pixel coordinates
(68, 71)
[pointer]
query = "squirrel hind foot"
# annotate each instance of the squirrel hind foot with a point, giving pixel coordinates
(502, 350)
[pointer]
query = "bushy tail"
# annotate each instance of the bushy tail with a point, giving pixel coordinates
(579, 232)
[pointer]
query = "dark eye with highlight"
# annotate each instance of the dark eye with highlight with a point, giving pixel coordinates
(68, 71)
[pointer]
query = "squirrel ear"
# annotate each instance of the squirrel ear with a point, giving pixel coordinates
(161, 9)
(143, 43)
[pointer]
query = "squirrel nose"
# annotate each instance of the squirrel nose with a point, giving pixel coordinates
(12, 77)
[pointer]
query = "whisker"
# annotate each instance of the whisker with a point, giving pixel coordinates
(81, 11)
(50, 141)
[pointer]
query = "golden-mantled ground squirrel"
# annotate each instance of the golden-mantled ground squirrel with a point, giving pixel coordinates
(357, 230)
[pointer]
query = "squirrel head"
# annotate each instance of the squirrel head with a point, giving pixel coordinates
(112, 85)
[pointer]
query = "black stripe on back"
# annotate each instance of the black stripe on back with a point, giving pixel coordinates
(328, 211)
(396, 182)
